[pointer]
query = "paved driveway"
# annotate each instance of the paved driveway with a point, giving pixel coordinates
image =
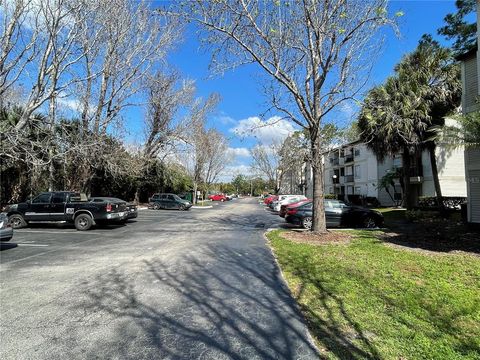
(172, 285)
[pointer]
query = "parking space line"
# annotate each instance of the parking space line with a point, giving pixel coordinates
(54, 232)
(31, 245)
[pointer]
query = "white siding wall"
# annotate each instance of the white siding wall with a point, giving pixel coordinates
(472, 164)
(470, 85)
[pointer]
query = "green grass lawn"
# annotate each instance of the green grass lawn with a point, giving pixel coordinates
(366, 299)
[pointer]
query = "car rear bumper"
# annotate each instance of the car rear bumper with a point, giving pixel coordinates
(6, 234)
(292, 219)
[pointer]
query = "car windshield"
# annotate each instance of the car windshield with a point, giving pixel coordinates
(176, 197)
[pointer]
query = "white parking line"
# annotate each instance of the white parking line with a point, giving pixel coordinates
(32, 245)
(54, 232)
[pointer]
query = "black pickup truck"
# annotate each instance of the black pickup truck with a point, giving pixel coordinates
(65, 206)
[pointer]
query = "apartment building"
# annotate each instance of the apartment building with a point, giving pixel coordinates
(353, 169)
(470, 63)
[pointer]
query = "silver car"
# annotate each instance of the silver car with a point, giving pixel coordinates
(6, 231)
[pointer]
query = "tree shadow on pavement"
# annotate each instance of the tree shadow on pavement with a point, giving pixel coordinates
(231, 305)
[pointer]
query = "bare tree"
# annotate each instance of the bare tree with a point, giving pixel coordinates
(316, 52)
(266, 161)
(18, 36)
(195, 154)
(218, 157)
(122, 43)
(164, 127)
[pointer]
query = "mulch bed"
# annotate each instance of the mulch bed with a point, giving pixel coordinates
(331, 237)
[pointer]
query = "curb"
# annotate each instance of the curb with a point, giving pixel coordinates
(202, 207)
(296, 304)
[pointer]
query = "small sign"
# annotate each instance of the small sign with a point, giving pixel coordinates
(474, 180)
(69, 210)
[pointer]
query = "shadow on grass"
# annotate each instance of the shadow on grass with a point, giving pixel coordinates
(335, 327)
(333, 316)
(233, 305)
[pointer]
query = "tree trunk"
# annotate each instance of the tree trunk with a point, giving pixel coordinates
(407, 201)
(436, 180)
(319, 224)
(194, 197)
(137, 195)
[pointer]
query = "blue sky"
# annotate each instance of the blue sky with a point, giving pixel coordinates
(242, 99)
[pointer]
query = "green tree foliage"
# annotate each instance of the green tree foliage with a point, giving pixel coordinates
(459, 28)
(24, 171)
(398, 116)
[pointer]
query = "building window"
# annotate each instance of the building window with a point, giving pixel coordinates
(357, 172)
(357, 190)
(342, 171)
(349, 190)
(330, 190)
(357, 152)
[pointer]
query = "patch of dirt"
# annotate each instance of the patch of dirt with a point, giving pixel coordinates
(331, 237)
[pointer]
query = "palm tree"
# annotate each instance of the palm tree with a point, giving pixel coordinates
(389, 123)
(432, 73)
(402, 114)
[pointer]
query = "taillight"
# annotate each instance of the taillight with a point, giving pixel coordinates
(109, 207)
(292, 211)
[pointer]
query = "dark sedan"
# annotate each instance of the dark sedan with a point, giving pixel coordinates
(132, 211)
(168, 201)
(337, 214)
(112, 204)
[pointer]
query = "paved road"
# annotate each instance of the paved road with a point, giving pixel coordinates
(172, 285)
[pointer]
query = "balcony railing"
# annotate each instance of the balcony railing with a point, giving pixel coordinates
(348, 178)
(349, 158)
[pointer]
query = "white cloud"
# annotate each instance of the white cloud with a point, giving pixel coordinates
(71, 104)
(272, 131)
(225, 120)
(239, 152)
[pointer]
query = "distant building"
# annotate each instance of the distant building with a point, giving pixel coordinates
(353, 170)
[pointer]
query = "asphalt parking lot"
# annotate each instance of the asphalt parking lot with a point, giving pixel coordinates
(168, 285)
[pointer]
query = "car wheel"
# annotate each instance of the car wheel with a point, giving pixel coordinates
(307, 222)
(83, 222)
(222, 200)
(369, 222)
(17, 221)
(182, 207)
(156, 206)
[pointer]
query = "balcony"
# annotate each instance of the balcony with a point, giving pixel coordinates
(349, 158)
(348, 178)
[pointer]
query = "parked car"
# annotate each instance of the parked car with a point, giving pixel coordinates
(270, 199)
(168, 201)
(337, 213)
(218, 197)
(287, 200)
(283, 208)
(64, 206)
(280, 198)
(130, 209)
(6, 231)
